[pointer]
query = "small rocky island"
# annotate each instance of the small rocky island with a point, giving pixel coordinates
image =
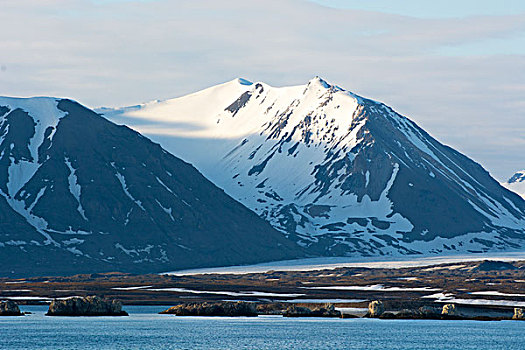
(226, 308)
(88, 306)
(9, 308)
(376, 309)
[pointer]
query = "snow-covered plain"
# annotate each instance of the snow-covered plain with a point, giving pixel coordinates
(377, 288)
(224, 292)
(131, 288)
(496, 293)
(37, 298)
(449, 298)
(333, 263)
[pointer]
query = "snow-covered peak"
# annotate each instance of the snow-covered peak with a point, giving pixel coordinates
(323, 85)
(42, 109)
(231, 110)
(317, 80)
(336, 172)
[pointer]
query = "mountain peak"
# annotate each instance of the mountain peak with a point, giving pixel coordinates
(338, 173)
(317, 80)
(320, 84)
(43, 109)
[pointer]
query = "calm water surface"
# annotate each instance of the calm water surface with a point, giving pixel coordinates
(145, 329)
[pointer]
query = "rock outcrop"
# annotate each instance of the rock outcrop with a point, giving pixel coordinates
(423, 312)
(88, 306)
(226, 308)
(429, 311)
(375, 308)
(9, 308)
(451, 310)
(519, 314)
(271, 308)
(491, 265)
(320, 311)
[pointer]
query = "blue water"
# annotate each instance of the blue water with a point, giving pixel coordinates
(145, 329)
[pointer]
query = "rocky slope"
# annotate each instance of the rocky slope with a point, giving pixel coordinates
(336, 173)
(81, 194)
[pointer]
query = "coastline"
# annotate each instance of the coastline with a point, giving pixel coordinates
(475, 285)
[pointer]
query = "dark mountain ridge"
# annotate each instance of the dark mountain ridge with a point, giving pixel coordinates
(81, 194)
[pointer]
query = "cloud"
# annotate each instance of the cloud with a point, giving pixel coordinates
(124, 52)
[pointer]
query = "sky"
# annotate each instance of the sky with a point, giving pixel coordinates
(457, 68)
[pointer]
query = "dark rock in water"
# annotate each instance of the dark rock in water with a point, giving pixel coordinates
(489, 265)
(424, 312)
(429, 311)
(88, 306)
(453, 312)
(323, 311)
(9, 308)
(403, 314)
(226, 308)
(385, 315)
(271, 308)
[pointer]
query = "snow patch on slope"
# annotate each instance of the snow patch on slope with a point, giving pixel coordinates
(122, 181)
(46, 115)
(75, 188)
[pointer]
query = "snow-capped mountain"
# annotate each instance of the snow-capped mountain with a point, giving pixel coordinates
(516, 183)
(337, 173)
(81, 194)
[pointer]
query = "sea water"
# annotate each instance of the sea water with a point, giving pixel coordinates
(146, 329)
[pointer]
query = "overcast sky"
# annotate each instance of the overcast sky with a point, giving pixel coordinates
(457, 68)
